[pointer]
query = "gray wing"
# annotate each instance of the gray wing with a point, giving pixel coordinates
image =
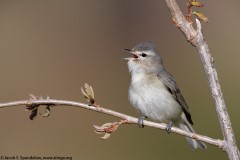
(172, 87)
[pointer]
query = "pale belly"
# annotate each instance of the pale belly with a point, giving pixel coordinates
(155, 102)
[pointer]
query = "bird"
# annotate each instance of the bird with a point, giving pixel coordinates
(153, 91)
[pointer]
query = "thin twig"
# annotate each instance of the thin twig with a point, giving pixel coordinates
(129, 119)
(196, 38)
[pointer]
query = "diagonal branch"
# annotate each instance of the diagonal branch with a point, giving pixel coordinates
(196, 38)
(129, 119)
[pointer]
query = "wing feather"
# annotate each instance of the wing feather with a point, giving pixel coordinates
(172, 87)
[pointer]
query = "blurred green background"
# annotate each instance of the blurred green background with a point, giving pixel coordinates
(52, 47)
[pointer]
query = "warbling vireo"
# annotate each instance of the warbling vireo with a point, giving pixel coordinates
(154, 92)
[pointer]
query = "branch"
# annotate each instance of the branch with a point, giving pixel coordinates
(196, 38)
(126, 118)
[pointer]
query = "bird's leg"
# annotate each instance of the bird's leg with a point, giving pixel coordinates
(169, 127)
(140, 121)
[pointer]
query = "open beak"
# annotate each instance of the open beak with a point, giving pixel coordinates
(130, 51)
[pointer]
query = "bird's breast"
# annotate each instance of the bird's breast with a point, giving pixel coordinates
(148, 94)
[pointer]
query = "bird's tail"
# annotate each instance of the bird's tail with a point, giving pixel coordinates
(194, 143)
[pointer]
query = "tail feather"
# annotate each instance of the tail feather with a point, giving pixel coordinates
(194, 143)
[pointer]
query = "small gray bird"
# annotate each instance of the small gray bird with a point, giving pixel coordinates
(154, 92)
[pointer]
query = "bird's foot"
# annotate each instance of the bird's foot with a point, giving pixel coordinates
(169, 127)
(140, 121)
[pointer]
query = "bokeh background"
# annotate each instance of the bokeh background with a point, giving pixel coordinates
(52, 47)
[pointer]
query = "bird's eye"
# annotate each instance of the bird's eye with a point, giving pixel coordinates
(144, 54)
